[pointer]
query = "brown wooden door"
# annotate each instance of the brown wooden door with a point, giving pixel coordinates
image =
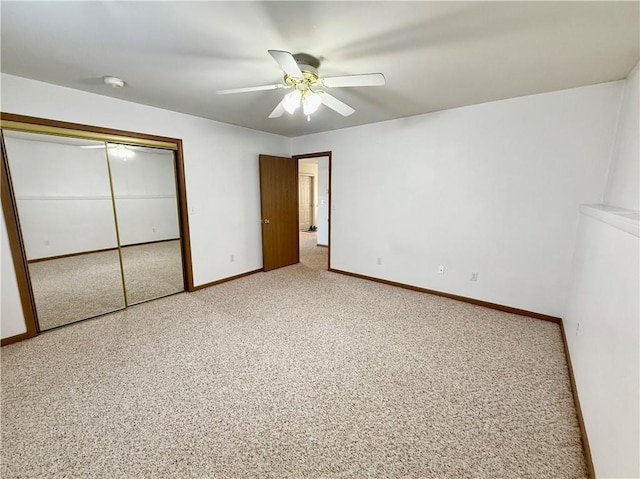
(279, 201)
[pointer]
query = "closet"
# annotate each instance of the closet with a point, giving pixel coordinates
(99, 220)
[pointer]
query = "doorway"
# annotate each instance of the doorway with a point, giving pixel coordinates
(279, 202)
(313, 182)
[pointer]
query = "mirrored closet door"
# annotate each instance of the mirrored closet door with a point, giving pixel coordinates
(144, 189)
(99, 223)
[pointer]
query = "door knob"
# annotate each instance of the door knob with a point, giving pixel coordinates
(266, 222)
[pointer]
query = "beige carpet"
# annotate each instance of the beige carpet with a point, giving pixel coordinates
(312, 255)
(79, 287)
(295, 373)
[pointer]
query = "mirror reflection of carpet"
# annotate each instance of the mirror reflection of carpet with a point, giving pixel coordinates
(79, 287)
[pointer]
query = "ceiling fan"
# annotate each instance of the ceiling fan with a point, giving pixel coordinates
(307, 86)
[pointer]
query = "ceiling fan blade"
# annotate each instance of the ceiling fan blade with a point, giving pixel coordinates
(278, 110)
(287, 63)
(335, 104)
(367, 79)
(250, 88)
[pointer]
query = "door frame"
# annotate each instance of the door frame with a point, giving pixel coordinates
(12, 121)
(323, 154)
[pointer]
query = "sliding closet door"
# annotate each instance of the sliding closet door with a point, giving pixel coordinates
(144, 187)
(66, 215)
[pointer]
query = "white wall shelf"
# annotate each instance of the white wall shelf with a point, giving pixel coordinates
(620, 218)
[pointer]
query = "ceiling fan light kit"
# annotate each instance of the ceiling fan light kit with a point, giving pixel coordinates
(311, 102)
(301, 75)
(291, 101)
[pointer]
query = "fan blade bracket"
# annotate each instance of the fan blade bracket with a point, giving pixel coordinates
(366, 79)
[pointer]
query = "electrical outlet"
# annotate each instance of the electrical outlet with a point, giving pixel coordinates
(474, 276)
(440, 269)
(46, 242)
(379, 261)
(578, 328)
(153, 230)
(232, 258)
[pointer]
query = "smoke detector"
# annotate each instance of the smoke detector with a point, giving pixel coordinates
(115, 82)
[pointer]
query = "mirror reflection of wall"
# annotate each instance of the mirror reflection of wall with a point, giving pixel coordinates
(145, 192)
(69, 193)
(61, 187)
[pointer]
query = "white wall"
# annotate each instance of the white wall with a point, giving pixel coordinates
(603, 299)
(221, 167)
(624, 175)
(491, 188)
(63, 197)
(11, 315)
(145, 192)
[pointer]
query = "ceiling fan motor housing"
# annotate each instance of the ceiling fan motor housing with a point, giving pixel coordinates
(308, 65)
(306, 60)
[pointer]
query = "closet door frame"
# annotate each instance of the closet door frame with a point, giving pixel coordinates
(10, 121)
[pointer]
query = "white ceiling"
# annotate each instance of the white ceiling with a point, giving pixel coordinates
(434, 55)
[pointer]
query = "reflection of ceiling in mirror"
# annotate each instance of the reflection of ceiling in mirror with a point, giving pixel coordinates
(41, 137)
(82, 142)
(143, 149)
(121, 151)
